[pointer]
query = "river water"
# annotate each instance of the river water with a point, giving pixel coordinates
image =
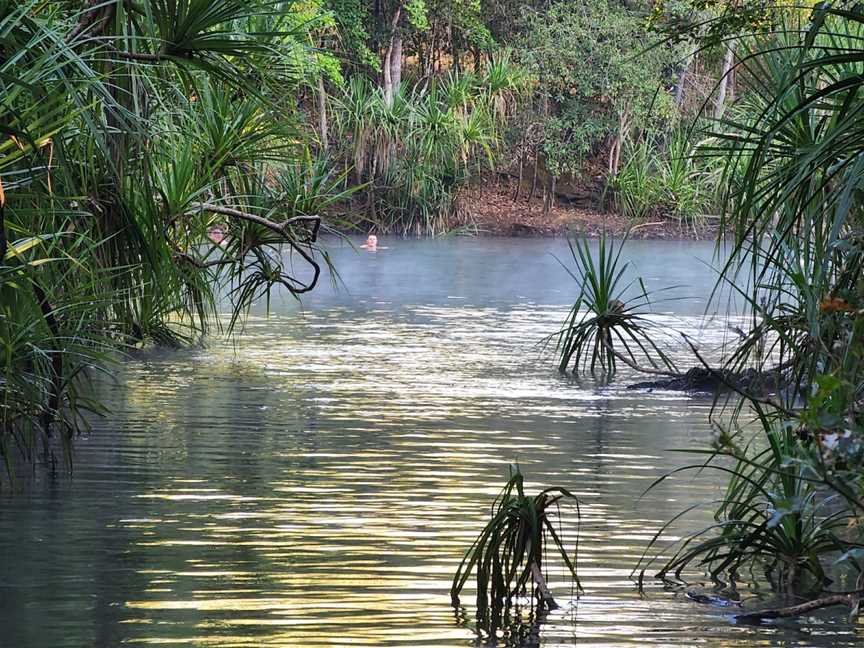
(316, 482)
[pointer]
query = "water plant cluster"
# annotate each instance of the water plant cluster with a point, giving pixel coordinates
(507, 559)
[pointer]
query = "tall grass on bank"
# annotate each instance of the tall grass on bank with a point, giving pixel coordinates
(666, 180)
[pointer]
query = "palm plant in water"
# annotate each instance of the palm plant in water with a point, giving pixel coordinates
(773, 516)
(793, 209)
(607, 323)
(507, 558)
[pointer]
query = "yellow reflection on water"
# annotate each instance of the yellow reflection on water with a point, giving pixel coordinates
(319, 486)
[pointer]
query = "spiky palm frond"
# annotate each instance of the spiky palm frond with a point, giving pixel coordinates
(607, 323)
(509, 555)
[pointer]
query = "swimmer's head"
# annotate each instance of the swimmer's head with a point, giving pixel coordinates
(217, 234)
(372, 240)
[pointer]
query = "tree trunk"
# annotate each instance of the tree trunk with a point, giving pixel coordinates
(322, 114)
(388, 79)
(728, 59)
(534, 180)
(454, 52)
(615, 153)
(429, 68)
(396, 62)
(682, 80)
(388, 58)
(521, 175)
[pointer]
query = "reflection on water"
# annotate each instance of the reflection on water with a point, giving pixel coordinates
(317, 484)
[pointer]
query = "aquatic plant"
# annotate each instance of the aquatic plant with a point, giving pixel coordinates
(775, 516)
(607, 323)
(507, 558)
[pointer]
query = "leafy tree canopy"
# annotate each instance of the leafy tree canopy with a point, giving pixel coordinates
(592, 65)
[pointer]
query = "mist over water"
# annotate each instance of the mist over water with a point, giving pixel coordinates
(317, 482)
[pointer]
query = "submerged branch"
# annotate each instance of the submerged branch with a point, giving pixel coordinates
(849, 598)
(720, 375)
(646, 370)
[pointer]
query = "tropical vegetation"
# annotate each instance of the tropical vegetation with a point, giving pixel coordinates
(148, 170)
(160, 157)
(163, 161)
(791, 167)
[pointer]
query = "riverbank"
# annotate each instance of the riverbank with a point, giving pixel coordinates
(490, 210)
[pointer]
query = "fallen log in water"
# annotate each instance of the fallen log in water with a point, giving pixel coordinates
(849, 598)
(703, 379)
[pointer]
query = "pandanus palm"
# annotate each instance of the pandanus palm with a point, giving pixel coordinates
(794, 167)
(607, 323)
(507, 557)
(129, 129)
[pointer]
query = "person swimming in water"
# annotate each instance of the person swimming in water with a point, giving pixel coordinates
(371, 244)
(218, 235)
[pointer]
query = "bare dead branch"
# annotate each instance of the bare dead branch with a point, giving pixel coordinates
(94, 17)
(647, 370)
(849, 598)
(284, 230)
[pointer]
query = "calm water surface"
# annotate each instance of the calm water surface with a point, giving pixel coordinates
(316, 483)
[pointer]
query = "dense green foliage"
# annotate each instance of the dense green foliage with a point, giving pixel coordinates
(790, 151)
(796, 214)
(597, 86)
(668, 179)
(132, 135)
(591, 96)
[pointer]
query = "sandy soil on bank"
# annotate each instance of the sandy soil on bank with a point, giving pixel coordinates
(490, 210)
